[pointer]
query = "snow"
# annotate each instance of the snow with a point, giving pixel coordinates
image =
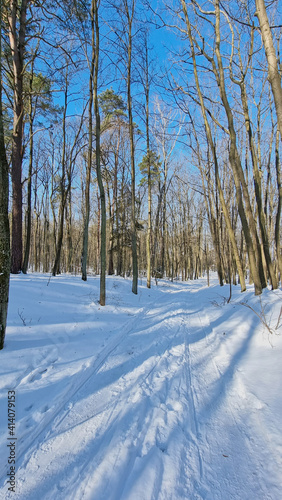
(170, 394)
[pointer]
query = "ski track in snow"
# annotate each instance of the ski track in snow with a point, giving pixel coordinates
(64, 404)
(160, 413)
(225, 432)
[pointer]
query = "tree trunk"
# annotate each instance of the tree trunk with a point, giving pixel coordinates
(68, 212)
(63, 190)
(212, 146)
(132, 150)
(111, 211)
(257, 184)
(164, 224)
(248, 222)
(4, 220)
(98, 253)
(149, 229)
(229, 228)
(89, 155)
(29, 181)
(279, 207)
(273, 71)
(98, 160)
(17, 44)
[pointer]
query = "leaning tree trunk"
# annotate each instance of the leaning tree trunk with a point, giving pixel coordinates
(258, 191)
(246, 215)
(273, 71)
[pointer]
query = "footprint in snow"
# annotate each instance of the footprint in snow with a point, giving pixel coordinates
(37, 375)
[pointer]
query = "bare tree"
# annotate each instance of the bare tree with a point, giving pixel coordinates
(98, 157)
(129, 9)
(91, 64)
(272, 60)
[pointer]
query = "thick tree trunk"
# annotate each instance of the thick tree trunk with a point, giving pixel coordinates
(17, 44)
(4, 220)
(4, 236)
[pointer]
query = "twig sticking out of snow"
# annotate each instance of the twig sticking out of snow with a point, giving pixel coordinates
(261, 315)
(278, 321)
(20, 313)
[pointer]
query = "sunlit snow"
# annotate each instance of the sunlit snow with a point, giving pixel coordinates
(170, 394)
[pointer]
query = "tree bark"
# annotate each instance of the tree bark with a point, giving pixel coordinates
(4, 220)
(248, 223)
(29, 181)
(273, 71)
(17, 44)
(279, 207)
(89, 154)
(149, 229)
(98, 159)
(132, 150)
(63, 190)
(257, 184)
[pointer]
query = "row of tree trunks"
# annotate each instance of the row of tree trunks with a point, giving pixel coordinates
(260, 261)
(214, 154)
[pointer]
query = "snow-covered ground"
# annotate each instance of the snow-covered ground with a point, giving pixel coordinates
(171, 394)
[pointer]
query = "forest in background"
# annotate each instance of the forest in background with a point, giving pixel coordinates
(141, 138)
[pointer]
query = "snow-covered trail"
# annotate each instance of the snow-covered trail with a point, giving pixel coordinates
(164, 406)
